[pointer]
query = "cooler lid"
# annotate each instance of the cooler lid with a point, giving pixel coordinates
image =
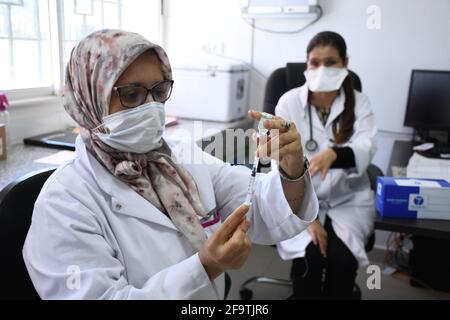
(212, 65)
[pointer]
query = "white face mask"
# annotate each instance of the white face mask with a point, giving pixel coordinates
(137, 130)
(325, 79)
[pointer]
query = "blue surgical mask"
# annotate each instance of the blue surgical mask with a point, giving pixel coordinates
(138, 130)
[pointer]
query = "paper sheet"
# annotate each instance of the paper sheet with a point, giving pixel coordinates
(417, 183)
(422, 167)
(58, 158)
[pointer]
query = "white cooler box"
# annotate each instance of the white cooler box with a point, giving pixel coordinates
(215, 92)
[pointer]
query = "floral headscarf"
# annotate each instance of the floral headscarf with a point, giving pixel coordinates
(95, 65)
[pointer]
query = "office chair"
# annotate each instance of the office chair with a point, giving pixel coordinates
(279, 82)
(16, 208)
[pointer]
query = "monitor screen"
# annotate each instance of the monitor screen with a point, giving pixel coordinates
(429, 100)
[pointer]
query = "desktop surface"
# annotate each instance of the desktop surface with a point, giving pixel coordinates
(420, 227)
(64, 140)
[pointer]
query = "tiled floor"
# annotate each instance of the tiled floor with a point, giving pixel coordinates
(265, 261)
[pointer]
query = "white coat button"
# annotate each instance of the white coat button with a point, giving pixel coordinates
(118, 206)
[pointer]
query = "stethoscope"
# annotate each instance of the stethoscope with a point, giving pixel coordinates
(311, 145)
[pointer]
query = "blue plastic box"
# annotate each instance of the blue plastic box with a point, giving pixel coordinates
(413, 198)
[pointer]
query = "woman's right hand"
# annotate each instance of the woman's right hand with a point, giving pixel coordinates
(229, 246)
(319, 236)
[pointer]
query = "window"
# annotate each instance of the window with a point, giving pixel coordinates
(37, 36)
(82, 17)
(24, 44)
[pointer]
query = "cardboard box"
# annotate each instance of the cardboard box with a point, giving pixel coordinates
(3, 150)
(413, 198)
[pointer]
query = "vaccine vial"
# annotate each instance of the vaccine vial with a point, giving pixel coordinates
(262, 131)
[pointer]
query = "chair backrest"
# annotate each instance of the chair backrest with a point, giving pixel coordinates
(16, 208)
(284, 79)
(373, 172)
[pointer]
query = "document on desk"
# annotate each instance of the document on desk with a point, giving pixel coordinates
(58, 158)
(422, 167)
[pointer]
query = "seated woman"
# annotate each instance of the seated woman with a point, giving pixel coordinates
(129, 217)
(338, 129)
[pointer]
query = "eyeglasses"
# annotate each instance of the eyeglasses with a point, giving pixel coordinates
(133, 95)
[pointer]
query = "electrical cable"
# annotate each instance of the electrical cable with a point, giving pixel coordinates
(396, 258)
(254, 26)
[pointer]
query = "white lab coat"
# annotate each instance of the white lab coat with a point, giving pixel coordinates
(344, 195)
(87, 223)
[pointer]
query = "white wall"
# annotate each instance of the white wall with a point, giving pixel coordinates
(29, 118)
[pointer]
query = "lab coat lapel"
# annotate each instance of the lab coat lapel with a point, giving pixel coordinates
(124, 200)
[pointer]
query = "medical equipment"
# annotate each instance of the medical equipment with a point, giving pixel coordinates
(253, 10)
(262, 131)
(311, 144)
(413, 198)
(212, 90)
(278, 8)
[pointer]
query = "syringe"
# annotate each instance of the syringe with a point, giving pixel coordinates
(262, 131)
(251, 184)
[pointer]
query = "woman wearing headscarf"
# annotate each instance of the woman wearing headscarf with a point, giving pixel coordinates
(130, 217)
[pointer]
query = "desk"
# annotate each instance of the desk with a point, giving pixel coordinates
(21, 157)
(429, 260)
(438, 229)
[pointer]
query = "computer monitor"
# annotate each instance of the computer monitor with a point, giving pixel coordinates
(429, 101)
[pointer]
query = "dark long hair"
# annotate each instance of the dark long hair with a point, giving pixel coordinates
(343, 125)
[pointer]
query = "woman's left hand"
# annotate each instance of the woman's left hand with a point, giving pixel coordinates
(282, 145)
(322, 162)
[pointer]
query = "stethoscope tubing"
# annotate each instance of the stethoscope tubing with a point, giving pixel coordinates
(311, 144)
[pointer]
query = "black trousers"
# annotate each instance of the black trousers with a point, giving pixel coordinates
(315, 277)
